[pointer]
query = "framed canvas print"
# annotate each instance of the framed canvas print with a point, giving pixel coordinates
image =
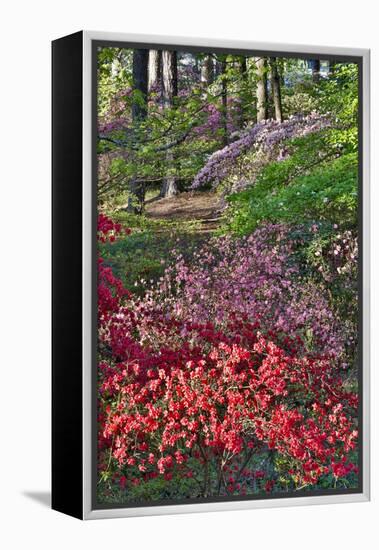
(210, 275)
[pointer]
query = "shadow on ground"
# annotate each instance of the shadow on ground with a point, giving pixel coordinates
(41, 497)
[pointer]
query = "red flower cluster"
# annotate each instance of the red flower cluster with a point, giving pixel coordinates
(107, 229)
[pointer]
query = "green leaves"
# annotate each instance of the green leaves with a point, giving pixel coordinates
(327, 192)
(338, 94)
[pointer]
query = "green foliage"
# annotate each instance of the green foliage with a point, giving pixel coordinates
(338, 95)
(114, 75)
(298, 102)
(304, 187)
(147, 491)
(139, 259)
(297, 97)
(318, 180)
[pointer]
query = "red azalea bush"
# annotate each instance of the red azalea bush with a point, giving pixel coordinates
(223, 409)
(222, 406)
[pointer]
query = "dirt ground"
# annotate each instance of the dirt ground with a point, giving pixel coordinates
(185, 206)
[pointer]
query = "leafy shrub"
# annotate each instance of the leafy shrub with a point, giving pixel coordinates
(327, 192)
(298, 102)
(338, 96)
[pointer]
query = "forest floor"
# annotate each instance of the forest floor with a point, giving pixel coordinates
(203, 208)
(185, 221)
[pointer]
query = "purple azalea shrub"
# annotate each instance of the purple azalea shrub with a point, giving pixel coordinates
(264, 138)
(214, 120)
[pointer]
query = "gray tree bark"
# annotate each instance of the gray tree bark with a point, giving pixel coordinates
(139, 106)
(169, 92)
(224, 102)
(261, 89)
(139, 113)
(276, 92)
(207, 70)
(242, 69)
(154, 70)
(315, 66)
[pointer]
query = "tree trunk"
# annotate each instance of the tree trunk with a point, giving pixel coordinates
(224, 101)
(196, 68)
(242, 69)
(261, 89)
(139, 106)
(154, 70)
(275, 87)
(139, 113)
(315, 66)
(170, 91)
(280, 67)
(169, 77)
(207, 70)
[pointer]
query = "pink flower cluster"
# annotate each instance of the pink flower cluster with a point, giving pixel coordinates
(253, 277)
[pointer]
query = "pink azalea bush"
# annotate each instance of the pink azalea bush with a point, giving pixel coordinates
(253, 277)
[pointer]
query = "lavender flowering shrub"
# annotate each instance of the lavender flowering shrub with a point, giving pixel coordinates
(266, 139)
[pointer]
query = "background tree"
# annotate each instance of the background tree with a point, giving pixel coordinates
(315, 66)
(155, 57)
(261, 66)
(139, 114)
(275, 87)
(207, 70)
(169, 92)
(140, 71)
(241, 69)
(224, 100)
